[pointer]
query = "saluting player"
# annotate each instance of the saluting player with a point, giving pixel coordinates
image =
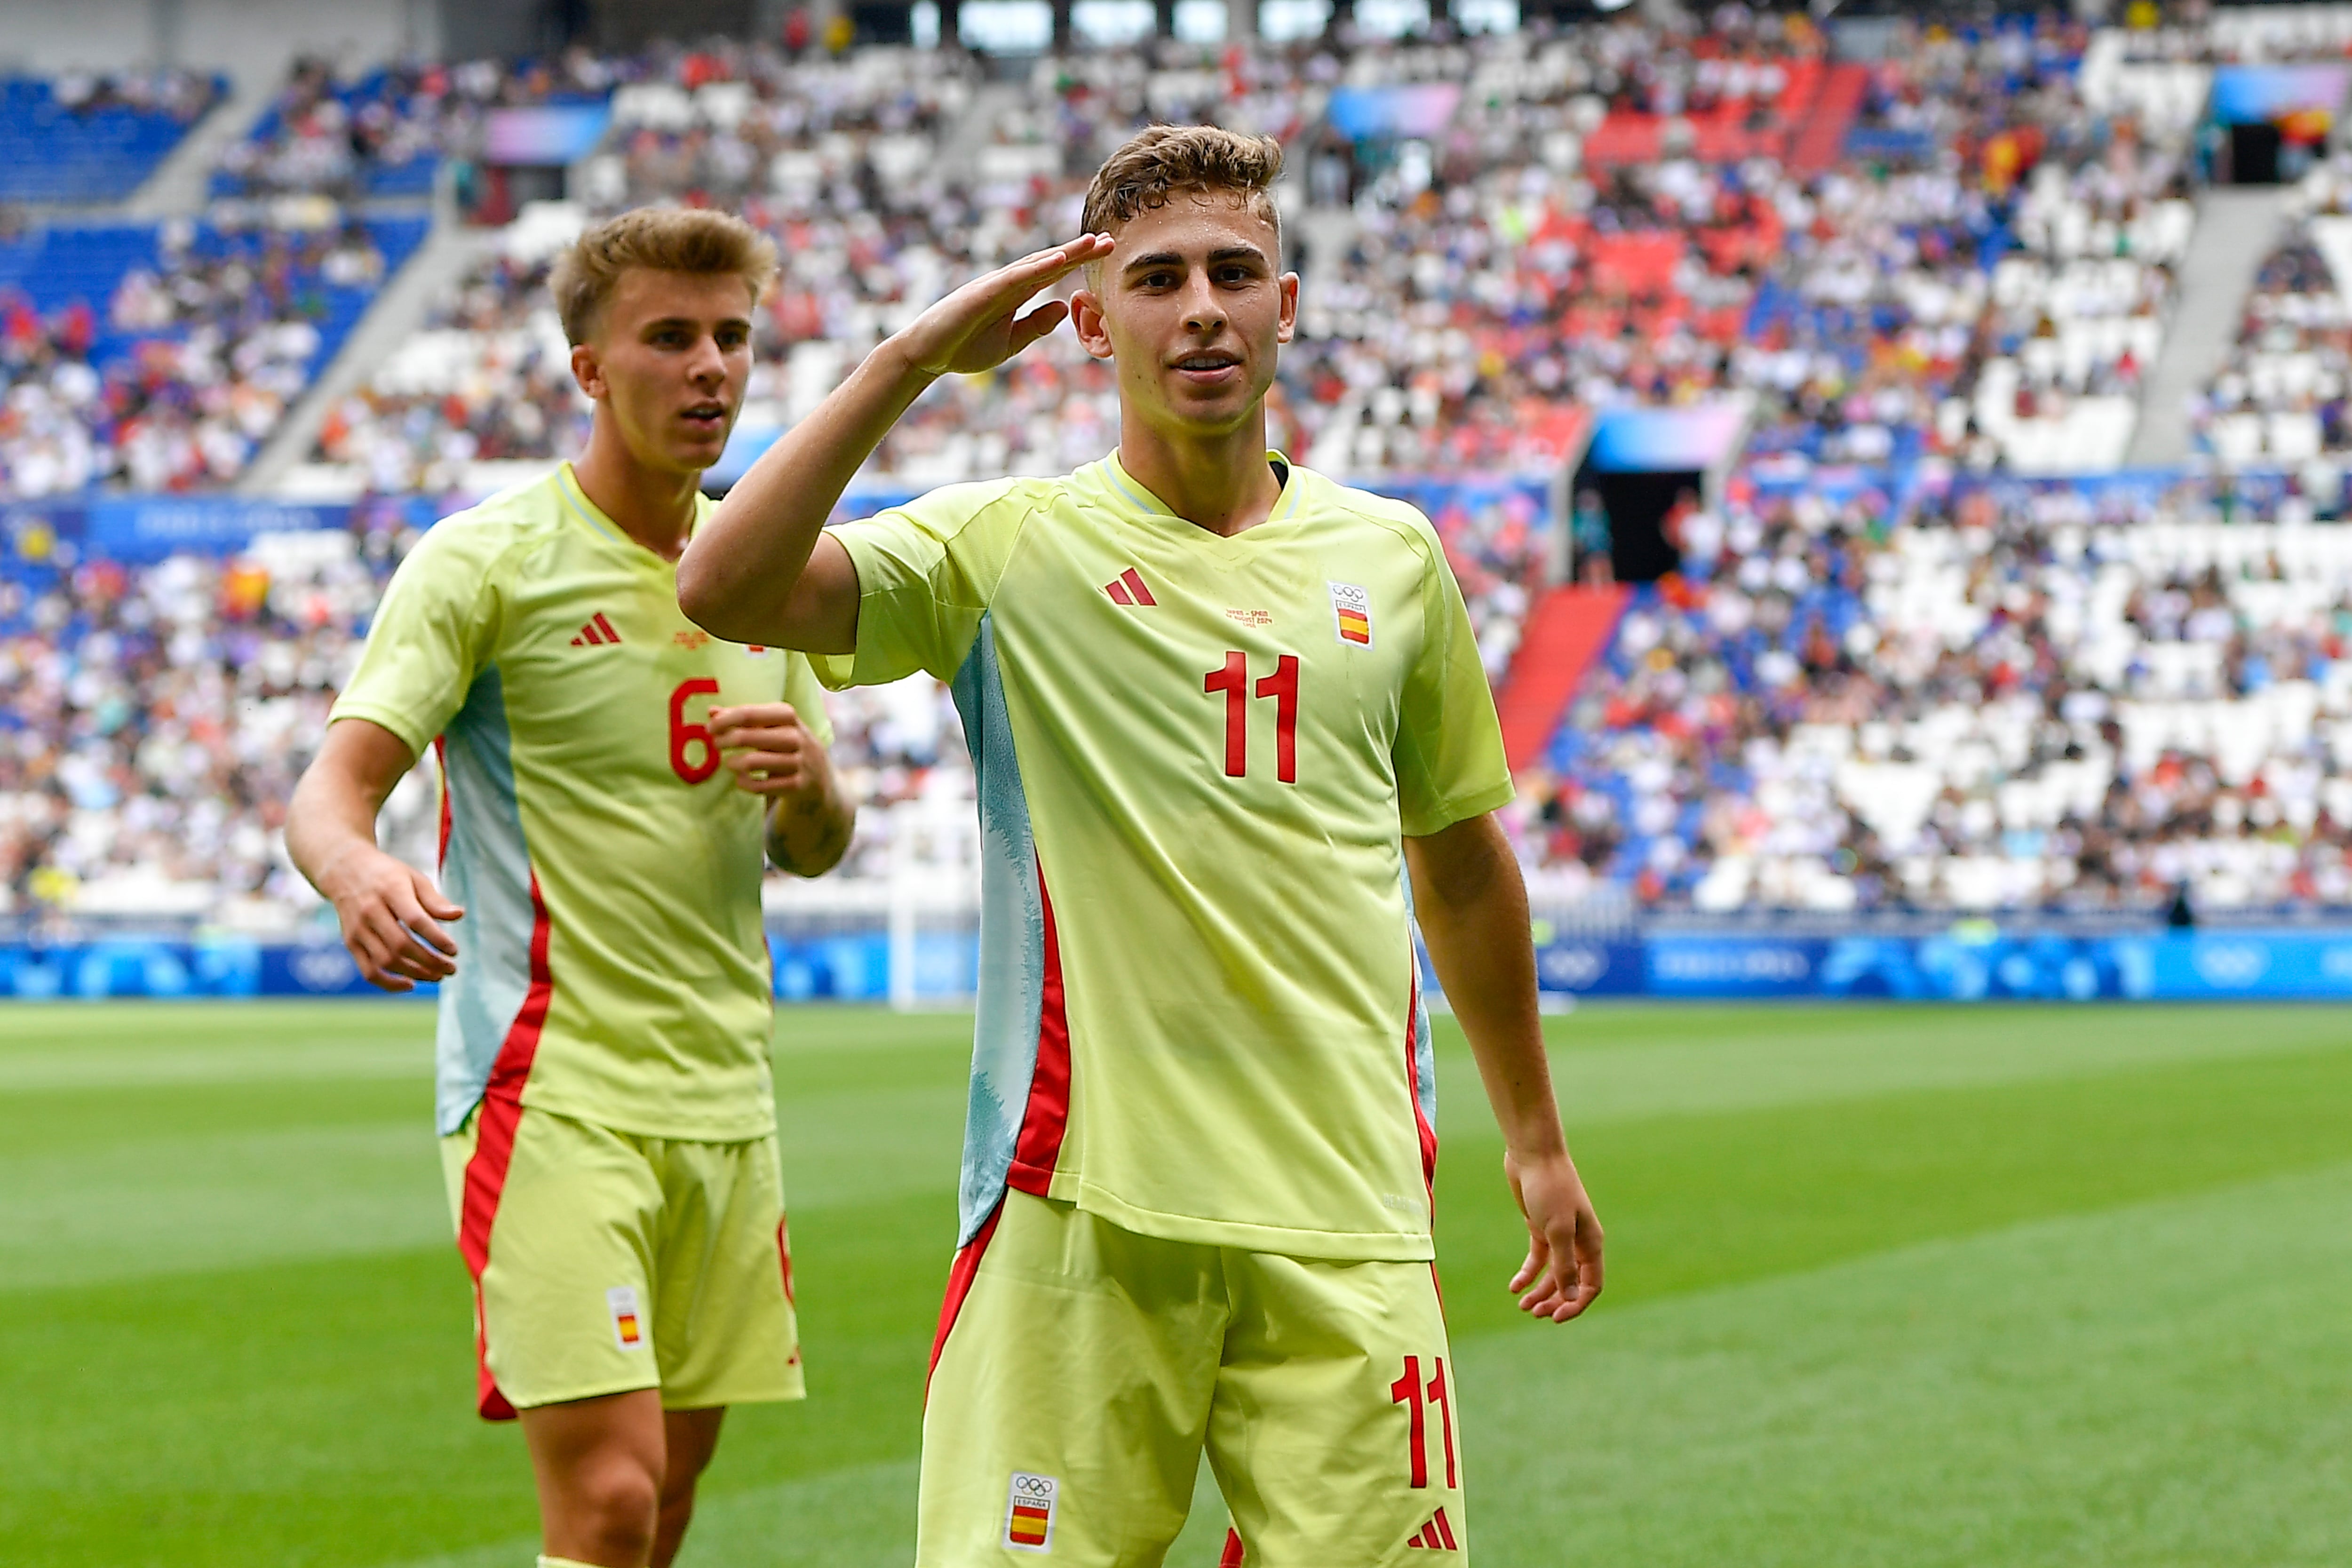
(609, 774)
(1220, 707)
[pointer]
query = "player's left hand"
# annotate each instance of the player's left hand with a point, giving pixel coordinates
(770, 751)
(1562, 1273)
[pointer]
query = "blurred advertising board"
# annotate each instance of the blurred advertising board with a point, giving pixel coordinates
(1974, 960)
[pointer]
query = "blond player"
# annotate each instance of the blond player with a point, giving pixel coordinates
(1222, 709)
(610, 773)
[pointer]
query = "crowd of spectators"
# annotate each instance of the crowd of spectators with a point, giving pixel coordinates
(157, 718)
(2016, 697)
(1993, 694)
(173, 380)
(385, 133)
(2279, 397)
(157, 715)
(182, 95)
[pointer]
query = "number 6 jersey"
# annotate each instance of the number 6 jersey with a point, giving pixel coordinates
(611, 963)
(1196, 757)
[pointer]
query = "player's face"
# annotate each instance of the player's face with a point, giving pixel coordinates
(668, 364)
(1193, 307)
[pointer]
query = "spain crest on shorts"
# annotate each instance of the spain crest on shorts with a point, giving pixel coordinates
(1351, 614)
(1029, 1512)
(628, 1322)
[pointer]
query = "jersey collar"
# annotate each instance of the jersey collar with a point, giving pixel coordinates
(576, 503)
(1131, 495)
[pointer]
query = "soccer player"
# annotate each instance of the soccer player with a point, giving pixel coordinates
(609, 776)
(1221, 708)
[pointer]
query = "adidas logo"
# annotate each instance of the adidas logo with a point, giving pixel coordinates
(1437, 1533)
(1128, 588)
(596, 633)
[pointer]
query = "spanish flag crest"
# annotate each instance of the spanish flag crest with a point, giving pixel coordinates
(1351, 614)
(629, 1322)
(1029, 1512)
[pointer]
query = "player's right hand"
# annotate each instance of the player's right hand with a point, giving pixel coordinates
(977, 326)
(391, 914)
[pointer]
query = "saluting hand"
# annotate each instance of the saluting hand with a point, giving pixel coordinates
(977, 328)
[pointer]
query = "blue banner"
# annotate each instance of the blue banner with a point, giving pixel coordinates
(1971, 963)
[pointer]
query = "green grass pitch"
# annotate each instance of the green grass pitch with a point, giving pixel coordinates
(1904, 1287)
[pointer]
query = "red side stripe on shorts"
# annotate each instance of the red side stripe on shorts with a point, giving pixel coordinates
(494, 1136)
(960, 1279)
(784, 1253)
(1039, 1149)
(1232, 1557)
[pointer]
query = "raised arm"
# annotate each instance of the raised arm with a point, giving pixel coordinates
(1473, 910)
(761, 570)
(390, 911)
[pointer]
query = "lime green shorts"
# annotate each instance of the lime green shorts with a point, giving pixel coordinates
(1082, 1370)
(603, 1261)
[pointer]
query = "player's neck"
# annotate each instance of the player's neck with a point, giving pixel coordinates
(654, 507)
(1222, 483)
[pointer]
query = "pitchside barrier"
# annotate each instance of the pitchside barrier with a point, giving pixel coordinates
(936, 964)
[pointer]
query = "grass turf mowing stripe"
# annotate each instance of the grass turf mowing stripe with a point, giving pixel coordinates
(254, 1413)
(2164, 1384)
(1698, 1202)
(2047, 1394)
(1614, 1061)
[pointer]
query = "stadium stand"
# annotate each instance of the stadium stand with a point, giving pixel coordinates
(2016, 697)
(85, 138)
(385, 133)
(1891, 671)
(2278, 398)
(157, 357)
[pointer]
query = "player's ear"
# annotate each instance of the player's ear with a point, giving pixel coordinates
(587, 369)
(1288, 325)
(1086, 321)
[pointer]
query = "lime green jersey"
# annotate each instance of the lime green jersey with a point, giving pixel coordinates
(612, 963)
(1197, 757)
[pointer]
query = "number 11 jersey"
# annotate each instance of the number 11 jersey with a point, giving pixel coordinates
(1197, 757)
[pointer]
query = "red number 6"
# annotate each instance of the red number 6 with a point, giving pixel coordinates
(683, 735)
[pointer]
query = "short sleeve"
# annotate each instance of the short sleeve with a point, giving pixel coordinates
(926, 573)
(1449, 747)
(432, 634)
(806, 695)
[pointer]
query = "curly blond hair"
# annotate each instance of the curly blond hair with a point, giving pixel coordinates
(1160, 160)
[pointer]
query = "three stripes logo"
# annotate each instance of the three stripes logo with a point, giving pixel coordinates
(1029, 1512)
(596, 633)
(1128, 588)
(1437, 1535)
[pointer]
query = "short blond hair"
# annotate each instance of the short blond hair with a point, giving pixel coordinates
(662, 239)
(1162, 160)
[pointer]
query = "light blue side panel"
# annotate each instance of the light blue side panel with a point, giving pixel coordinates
(487, 872)
(1012, 990)
(1424, 1050)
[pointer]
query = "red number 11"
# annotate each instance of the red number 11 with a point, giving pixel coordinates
(1232, 678)
(1408, 1391)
